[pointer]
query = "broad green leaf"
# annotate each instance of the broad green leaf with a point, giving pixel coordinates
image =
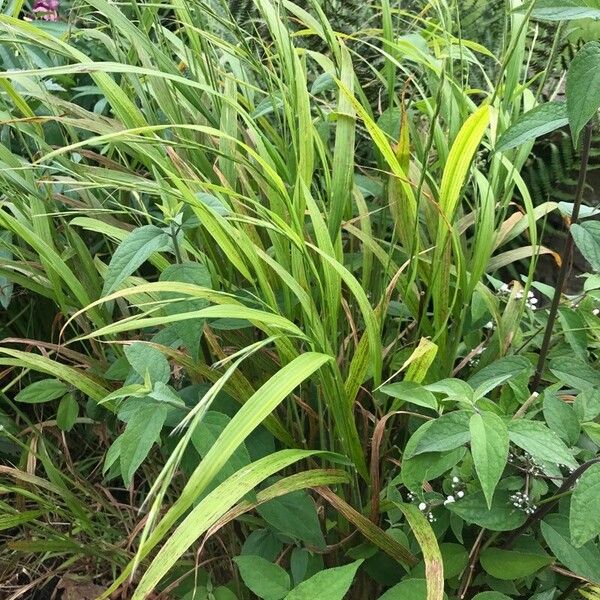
(68, 410)
(586, 236)
(593, 431)
(584, 519)
(112, 455)
(304, 564)
(143, 429)
(330, 584)
(434, 566)
(408, 391)
(214, 204)
(131, 253)
(584, 561)
(263, 542)
(542, 443)
(147, 360)
(491, 596)
(265, 579)
(536, 122)
(444, 433)
(566, 10)
(42, 391)
(135, 389)
(455, 558)
(165, 393)
(451, 388)
(574, 330)
(587, 404)
(489, 448)
(561, 418)
(583, 87)
(483, 389)
(428, 466)
(512, 564)
(545, 595)
(294, 515)
(509, 365)
(503, 516)
(409, 589)
(575, 373)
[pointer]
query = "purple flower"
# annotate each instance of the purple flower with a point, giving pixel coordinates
(46, 9)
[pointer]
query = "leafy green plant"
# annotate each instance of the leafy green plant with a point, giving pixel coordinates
(258, 342)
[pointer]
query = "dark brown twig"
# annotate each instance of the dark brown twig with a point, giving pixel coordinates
(566, 256)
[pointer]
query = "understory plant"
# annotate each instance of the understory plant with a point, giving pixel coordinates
(259, 333)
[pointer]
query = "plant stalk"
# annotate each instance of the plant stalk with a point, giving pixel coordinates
(566, 256)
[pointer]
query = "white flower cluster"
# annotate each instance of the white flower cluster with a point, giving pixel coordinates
(473, 362)
(522, 501)
(530, 302)
(458, 494)
(529, 464)
(424, 507)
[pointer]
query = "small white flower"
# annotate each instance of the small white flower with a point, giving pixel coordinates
(489, 325)
(460, 494)
(596, 312)
(455, 479)
(504, 288)
(449, 500)
(422, 506)
(533, 301)
(519, 295)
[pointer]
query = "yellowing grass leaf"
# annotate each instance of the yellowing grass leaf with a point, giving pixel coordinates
(460, 157)
(420, 360)
(371, 531)
(434, 567)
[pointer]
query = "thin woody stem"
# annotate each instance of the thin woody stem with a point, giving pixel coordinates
(567, 255)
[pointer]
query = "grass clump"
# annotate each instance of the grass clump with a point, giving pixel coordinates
(273, 319)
